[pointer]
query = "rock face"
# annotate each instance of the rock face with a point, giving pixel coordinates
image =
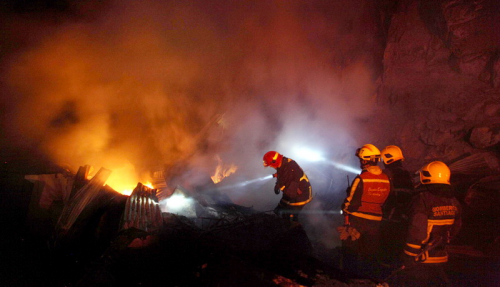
(441, 79)
(440, 94)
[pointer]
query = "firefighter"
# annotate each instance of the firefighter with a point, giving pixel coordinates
(363, 212)
(435, 218)
(401, 180)
(292, 182)
(394, 225)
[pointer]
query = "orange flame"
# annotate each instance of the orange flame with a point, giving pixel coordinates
(124, 178)
(222, 171)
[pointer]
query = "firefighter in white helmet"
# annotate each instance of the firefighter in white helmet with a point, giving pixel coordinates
(362, 209)
(435, 218)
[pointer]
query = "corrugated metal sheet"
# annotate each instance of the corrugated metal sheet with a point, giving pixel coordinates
(50, 187)
(81, 199)
(142, 210)
(480, 163)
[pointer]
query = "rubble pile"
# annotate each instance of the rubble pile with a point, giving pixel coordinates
(98, 237)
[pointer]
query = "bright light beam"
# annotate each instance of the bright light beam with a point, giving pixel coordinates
(177, 202)
(308, 154)
(311, 155)
(344, 167)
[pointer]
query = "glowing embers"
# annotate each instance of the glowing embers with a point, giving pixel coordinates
(223, 170)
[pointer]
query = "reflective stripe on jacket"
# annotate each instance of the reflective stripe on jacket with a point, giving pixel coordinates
(367, 194)
(294, 183)
(434, 214)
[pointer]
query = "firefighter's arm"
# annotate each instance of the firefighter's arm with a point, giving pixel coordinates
(353, 199)
(390, 203)
(284, 181)
(279, 186)
(346, 219)
(417, 231)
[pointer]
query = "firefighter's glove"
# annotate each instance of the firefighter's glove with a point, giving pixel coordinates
(276, 190)
(353, 233)
(348, 232)
(344, 235)
(275, 174)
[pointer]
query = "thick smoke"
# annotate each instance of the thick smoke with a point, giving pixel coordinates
(135, 86)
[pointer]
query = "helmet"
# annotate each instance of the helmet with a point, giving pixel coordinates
(391, 154)
(368, 152)
(272, 159)
(435, 172)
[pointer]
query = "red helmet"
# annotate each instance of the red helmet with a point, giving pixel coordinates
(272, 159)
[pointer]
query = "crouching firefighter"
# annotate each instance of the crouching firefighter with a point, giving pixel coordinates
(435, 218)
(292, 182)
(362, 209)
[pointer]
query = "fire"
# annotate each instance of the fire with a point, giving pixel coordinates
(222, 171)
(123, 188)
(124, 178)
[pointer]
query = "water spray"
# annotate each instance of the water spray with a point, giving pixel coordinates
(247, 182)
(310, 155)
(344, 167)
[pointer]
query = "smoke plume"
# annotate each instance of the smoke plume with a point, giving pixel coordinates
(134, 86)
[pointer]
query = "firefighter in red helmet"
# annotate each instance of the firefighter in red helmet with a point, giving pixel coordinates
(363, 212)
(435, 218)
(292, 182)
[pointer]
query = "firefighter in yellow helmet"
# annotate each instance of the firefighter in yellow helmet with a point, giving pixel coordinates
(396, 207)
(435, 218)
(292, 182)
(401, 179)
(362, 209)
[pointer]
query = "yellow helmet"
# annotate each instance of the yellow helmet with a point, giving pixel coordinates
(435, 172)
(392, 153)
(368, 152)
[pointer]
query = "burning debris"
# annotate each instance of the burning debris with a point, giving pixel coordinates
(223, 171)
(190, 238)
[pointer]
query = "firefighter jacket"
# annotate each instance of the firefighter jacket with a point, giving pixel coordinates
(292, 180)
(435, 218)
(401, 191)
(367, 194)
(400, 178)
